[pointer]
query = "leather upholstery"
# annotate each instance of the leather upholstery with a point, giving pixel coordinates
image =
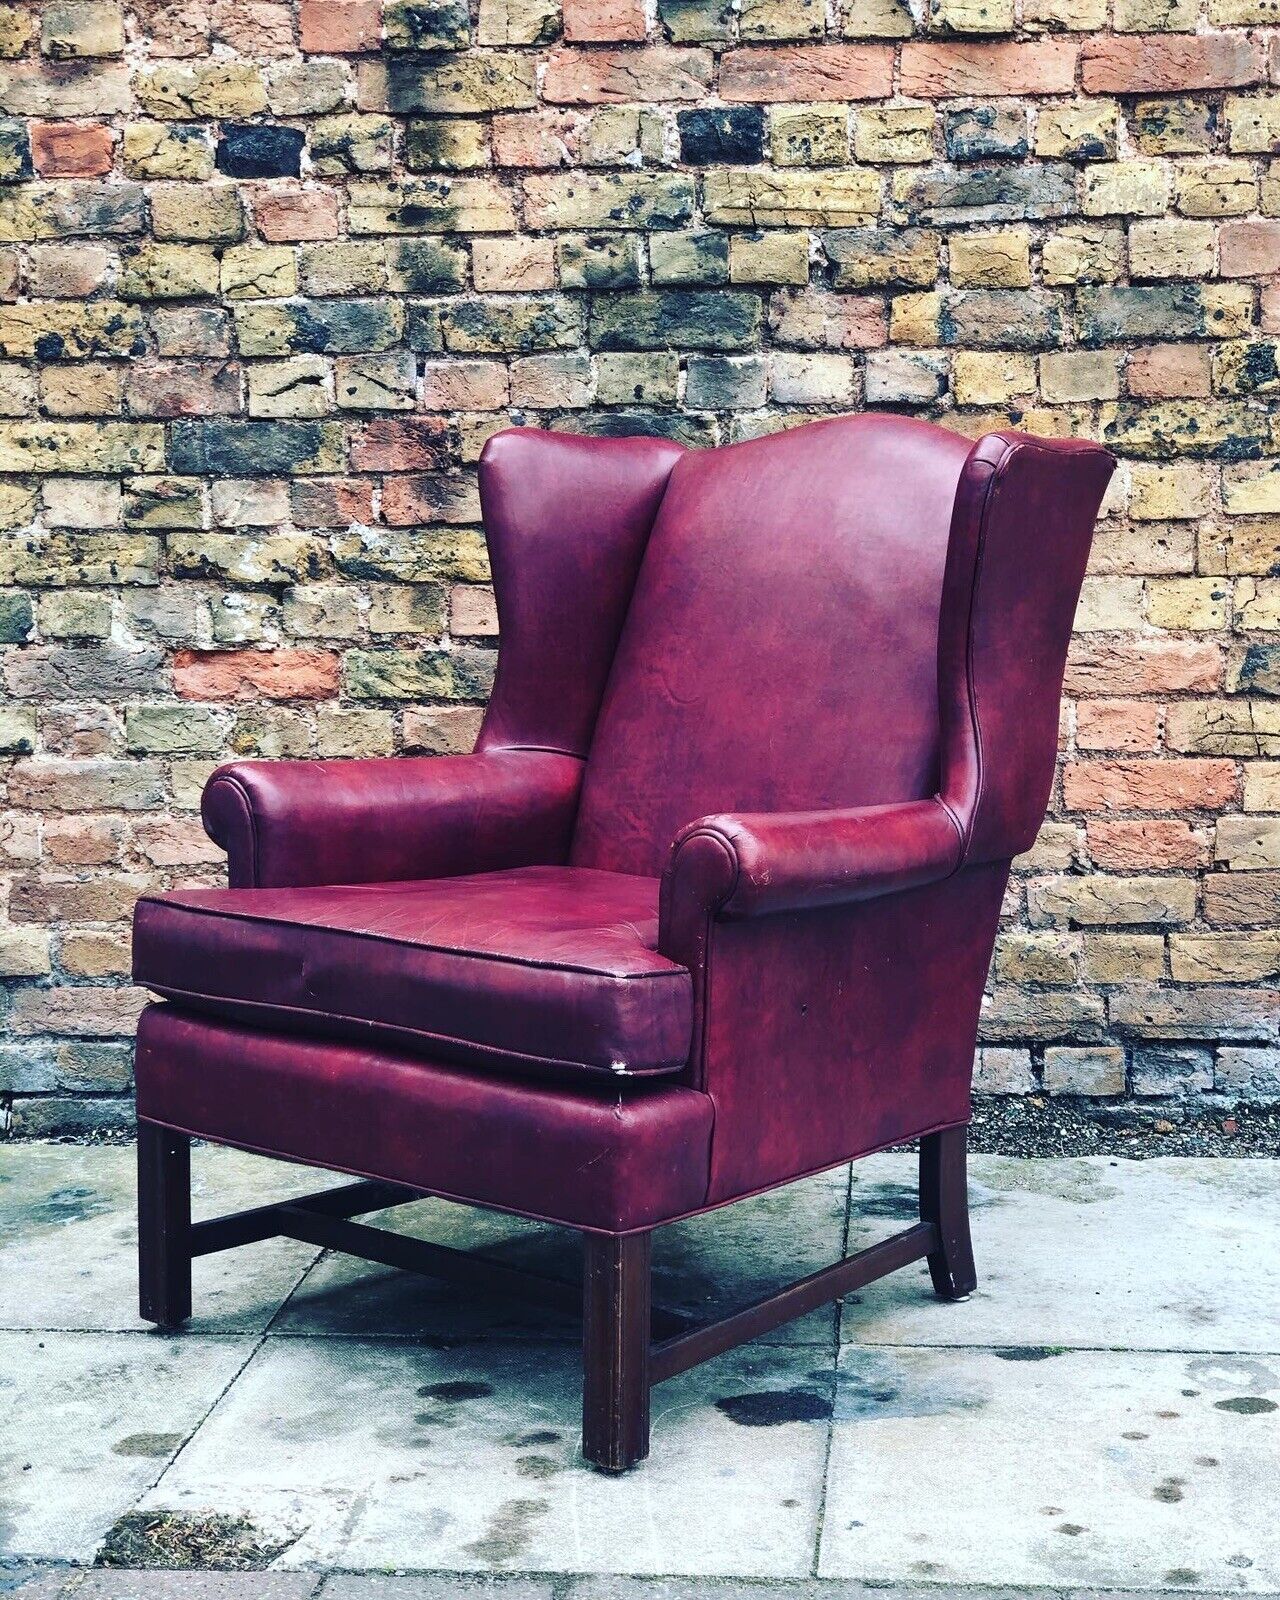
(589, 1156)
(544, 969)
(809, 682)
(284, 824)
(778, 571)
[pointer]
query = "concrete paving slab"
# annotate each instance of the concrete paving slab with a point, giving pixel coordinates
(1091, 1469)
(30, 1583)
(109, 1585)
(88, 1421)
(704, 1267)
(67, 1238)
(1167, 1254)
(395, 1455)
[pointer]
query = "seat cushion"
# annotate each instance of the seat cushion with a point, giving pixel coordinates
(551, 970)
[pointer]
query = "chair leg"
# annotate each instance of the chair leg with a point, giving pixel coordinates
(164, 1226)
(615, 1350)
(944, 1201)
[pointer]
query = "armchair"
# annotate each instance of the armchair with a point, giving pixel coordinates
(710, 907)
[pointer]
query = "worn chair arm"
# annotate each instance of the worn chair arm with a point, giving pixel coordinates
(754, 864)
(286, 824)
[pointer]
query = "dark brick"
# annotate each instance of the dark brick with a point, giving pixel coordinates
(982, 133)
(15, 618)
(248, 449)
(675, 320)
(251, 150)
(720, 135)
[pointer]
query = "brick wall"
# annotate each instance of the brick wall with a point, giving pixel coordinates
(271, 275)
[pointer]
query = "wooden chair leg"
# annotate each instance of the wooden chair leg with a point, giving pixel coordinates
(944, 1201)
(164, 1226)
(615, 1350)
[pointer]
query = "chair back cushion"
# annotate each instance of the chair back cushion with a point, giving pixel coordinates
(780, 650)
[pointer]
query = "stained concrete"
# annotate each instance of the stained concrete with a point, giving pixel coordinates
(1094, 1252)
(68, 1240)
(1097, 1418)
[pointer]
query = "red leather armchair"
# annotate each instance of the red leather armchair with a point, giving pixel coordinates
(710, 907)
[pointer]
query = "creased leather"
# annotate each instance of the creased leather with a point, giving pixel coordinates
(546, 970)
(286, 824)
(587, 1156)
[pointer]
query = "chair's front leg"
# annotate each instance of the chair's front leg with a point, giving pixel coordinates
(615, 1350)
(164, 1225)
(944, 1201)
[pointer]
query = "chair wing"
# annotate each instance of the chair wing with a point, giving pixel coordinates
(567, 520)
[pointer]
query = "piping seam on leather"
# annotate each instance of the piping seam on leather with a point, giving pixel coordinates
(726, 844)
(677, 971)
(971, 685)
(377, 1028)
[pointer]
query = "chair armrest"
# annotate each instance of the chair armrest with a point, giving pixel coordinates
(286, 824)
(754, 864)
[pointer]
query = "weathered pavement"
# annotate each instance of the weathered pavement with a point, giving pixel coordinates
(1103, 1415)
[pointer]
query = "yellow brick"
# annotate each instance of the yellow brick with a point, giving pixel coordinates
(971, 16)
(1167, 490)
(769, 257)
(1258, 604)
(259, 272)
(992, 377)
(1108, 605)
(915, 319)
(1216, 188)
(1083, 254)
(991, 260)
(894, 133)
(1251, 488)
(1197, 604)
(1126, 188)
(809, 136)
(1168, 249)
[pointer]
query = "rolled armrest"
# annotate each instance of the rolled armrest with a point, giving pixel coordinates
(286, 824)
(750, 865)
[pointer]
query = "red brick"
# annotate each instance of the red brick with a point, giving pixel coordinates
(340, 27)
(1127, 845)
(1170, 372)
(599, 21)
(536, 138)
(400, 444)
(807, 72)
(464, 386)
(1250, 248)
(254, 27)
(1172, 785)
(71, 149)
(938, 70)
(1140, 63)
(331, 502)
(82, 841)
(1118, 725)
(599, 77)
(287, 215)
(256, 674)
(1143, 666)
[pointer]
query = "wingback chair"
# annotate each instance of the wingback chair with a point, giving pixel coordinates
(709, 908)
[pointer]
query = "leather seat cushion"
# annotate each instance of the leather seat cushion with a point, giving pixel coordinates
(551, 970)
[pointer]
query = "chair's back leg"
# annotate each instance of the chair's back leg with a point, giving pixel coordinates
(164, 1225)
(615, 1350)
(944, 1201)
